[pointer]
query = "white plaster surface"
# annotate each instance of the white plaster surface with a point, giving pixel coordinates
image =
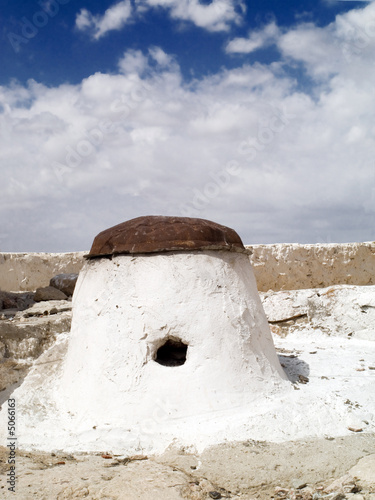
(331, 351)
(110, 393)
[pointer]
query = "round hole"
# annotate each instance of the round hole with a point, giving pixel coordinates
(171, 353)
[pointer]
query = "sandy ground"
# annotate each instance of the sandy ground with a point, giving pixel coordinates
(303, 469)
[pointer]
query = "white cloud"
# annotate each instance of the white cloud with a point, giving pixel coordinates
(133, 62)
(344, 47)
(160, 56)
(219, 15)
(257, 39)
(114, 18)
(244, 147)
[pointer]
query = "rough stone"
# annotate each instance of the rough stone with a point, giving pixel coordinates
(7, 301)
(15, 301)
(65, 283)
(31, 336)
(364, 471)
(49, 293)
(343, 310)
(164, 234)
(46, 308)
(27, 336)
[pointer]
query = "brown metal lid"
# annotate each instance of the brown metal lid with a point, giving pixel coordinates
(157, 233)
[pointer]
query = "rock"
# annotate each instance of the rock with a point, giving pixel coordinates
(341, 310)
(49, 293)
(8, 300)
(47, 308)
(281, 493)
(286, 305)
(364, 471)
(11, 372)
(65, 283)
(26, 336)
(299, 484)
(30, 337)
(15, 300)
(337, 486)
(214, 494)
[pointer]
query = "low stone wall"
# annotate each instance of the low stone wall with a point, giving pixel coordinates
(277, 267)
(294, 267)
(28, 271)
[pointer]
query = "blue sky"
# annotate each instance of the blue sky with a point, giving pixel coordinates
(257, 115)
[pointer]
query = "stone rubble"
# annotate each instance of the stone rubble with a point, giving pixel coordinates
(341, 310)
(358, 483)
(29, 324)
(25, 335)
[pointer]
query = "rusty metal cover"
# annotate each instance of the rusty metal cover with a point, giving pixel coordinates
(156, 233)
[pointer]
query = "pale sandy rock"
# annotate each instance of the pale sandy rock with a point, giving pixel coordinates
(347, 311)
(11, 373)
(46, 308)
(31, 336)
(342, 310)
(286, 305)
(364, 471)
(25, 337)
(341, 485)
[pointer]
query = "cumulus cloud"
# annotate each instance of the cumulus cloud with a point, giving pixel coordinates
(246, 147)
(219, 15)
(133, 62)
(257, 39)
(114, 18)
(344, 47)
